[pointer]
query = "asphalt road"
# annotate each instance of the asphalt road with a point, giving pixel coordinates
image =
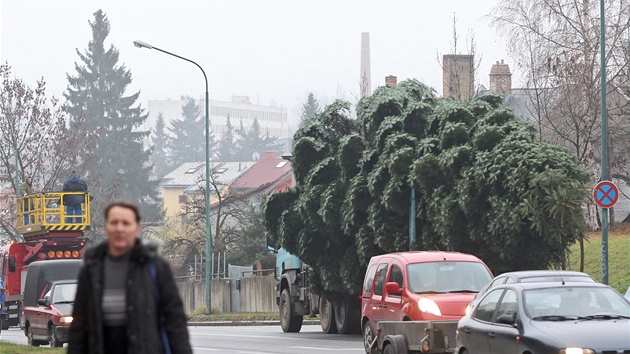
(252, 340)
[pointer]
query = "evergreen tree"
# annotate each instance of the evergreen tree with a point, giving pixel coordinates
(226, 146)
(160, 153)
(310, 108)
(254, 140)
(187, 143)
(117, 164)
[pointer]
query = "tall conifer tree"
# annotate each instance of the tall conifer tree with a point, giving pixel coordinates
(227, 144)
(187, 142)
(160, 153)
(117, 164)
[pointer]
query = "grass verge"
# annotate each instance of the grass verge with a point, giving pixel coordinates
(9, 348)
(618, 257)
(199, 316)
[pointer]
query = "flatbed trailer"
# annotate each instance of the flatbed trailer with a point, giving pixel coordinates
(402, 337)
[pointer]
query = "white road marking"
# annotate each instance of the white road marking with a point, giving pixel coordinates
(331, 349)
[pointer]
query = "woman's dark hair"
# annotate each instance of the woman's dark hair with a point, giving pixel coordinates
(123, 204)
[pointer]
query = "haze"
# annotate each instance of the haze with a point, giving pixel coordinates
(275, 52)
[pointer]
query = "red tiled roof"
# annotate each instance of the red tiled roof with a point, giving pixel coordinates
(265, 172)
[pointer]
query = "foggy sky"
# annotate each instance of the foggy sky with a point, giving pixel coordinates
(274, 51)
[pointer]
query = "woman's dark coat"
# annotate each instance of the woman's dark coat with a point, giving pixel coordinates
(86, 332)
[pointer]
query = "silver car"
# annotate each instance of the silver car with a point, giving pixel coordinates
(532, 276)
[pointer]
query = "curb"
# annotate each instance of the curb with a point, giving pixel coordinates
(245, 323)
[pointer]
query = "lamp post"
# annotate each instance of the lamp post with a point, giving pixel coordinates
(141, 44)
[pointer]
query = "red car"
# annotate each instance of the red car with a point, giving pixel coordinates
(413, 286)
(49, 321)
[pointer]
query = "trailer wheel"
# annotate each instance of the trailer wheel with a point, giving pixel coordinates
(327, 316)
(347, 317)
(368, 338)
(395, 345)
(288, 322)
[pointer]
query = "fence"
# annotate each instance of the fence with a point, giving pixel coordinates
(255, 294)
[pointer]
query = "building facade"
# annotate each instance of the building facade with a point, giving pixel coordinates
(272, 119)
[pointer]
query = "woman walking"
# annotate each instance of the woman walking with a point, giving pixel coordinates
(127, 301)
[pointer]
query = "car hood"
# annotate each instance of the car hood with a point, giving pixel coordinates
(452, 304)
(64, 309)
(594, 334)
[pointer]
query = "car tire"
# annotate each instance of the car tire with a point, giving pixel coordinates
(347, 317)
(52, 338)
(20, 316)
(368, 338)
(29, 337)
(327, 316)
(288, 322)
(5, 324)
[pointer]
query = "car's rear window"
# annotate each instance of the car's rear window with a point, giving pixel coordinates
(571, 278)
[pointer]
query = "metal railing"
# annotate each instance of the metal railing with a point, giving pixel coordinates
(45, 212)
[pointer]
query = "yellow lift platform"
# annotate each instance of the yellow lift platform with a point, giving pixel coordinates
(44, 213)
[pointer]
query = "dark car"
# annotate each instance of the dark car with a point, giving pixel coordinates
(549, 317)
(49, 321)
(531, 276)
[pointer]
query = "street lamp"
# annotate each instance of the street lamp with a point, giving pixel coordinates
(141, 44)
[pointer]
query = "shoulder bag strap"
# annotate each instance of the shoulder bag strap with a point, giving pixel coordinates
(156, 291)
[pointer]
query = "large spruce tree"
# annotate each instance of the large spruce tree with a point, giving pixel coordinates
(160, 152)
(117, 164)
(255, 140)
(226, 150)
(187, 142)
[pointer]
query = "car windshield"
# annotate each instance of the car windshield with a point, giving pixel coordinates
(567, 302)
(64, 293)
(445, 277)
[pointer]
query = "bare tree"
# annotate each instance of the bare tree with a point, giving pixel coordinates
(556, 44)
(33, 129)
(227, 211)
(460, 70)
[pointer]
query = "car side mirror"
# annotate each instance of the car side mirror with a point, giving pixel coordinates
(506, 319)
(43, 302)
(393, 288)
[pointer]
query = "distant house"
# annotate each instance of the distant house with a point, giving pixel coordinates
(540, 106)
(268, 174)
(185, 181)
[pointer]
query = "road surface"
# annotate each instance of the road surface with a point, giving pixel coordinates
(252, 340)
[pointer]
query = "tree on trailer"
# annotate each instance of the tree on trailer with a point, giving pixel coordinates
(485, 186)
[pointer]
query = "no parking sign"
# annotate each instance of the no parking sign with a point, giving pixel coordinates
(606, 194)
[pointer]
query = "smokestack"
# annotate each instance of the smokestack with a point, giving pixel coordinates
(391, 80)
(365, 78)
(458, 76)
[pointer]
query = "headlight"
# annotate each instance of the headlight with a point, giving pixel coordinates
(429, 306)
(576, 351)
(65, 319)
(469, 308)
